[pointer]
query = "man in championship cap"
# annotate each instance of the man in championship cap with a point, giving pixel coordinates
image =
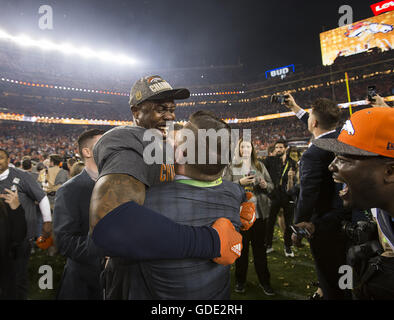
(122, 226)
(152, 102)
(364, 164)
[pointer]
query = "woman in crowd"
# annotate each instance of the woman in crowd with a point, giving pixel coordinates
(252, 175)
(12, 233)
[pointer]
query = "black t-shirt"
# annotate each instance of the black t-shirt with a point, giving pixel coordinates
(278, 171)
(121, 151)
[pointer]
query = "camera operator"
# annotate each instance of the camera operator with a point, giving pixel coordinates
(364, 164)
(278, 167)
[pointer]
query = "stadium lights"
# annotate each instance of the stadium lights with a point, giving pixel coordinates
(67, 48)
(52, 86)
(85, 121)
(217, 93)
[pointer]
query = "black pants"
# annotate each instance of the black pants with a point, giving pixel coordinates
(115, 279)
(255, 235)
(329, 253)
(21, 270)
(7, 278)
(80, 282)
(282, 201)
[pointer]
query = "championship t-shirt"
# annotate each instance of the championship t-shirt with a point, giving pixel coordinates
(30, 195)
(121, 151)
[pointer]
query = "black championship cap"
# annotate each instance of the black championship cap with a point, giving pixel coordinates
(155, 88)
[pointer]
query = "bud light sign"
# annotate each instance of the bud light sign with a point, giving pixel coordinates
(280, 72)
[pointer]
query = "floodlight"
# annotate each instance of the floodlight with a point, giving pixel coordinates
(86, 53)
(104, 55)
(23, 40)
(66, 48)
(46, 45)
(4, 35)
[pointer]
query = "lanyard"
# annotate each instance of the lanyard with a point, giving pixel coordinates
(199, 183)
(283, 173)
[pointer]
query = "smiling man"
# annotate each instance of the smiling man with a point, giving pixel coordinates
(364, 164)
(118, 153)
(125, 229)
(364, 160)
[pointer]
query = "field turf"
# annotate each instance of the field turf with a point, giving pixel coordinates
(291, 278)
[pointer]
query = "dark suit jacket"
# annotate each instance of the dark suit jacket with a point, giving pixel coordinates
(319, 201)
(71, 227)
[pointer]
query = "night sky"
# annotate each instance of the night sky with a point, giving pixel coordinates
(181, 33)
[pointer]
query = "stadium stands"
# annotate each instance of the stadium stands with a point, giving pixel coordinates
(52, 86)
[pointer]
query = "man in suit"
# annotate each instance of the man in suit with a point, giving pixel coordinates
(81, 275)
(319, 208)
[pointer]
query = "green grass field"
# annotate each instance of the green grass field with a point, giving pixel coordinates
(291, 278)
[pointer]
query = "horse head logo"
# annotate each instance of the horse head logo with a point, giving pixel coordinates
(348, 126)
(362, 28)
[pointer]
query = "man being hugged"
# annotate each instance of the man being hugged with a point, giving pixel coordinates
(121, 226)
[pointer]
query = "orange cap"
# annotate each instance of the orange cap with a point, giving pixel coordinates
(368, 132)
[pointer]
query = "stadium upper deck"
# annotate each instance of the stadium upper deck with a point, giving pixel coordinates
(36, 83)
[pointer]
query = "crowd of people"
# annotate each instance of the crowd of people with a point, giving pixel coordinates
(41, 140)
(45, 139)
(76, 189)
(65, 104)
(321, 82)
